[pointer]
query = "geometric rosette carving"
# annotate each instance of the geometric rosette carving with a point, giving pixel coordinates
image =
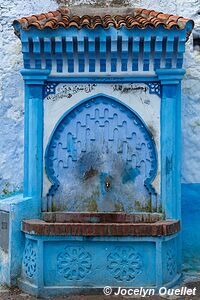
(171, 262)
(125, 264)
(74, 263)
(154, 88)
(29, 260)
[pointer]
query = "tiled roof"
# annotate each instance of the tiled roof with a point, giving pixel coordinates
(137, 17)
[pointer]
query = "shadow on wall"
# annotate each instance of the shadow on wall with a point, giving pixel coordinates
(191, 226)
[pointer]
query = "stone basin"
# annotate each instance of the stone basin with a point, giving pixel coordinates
(95, 217)
(64, 250)
(100, 224)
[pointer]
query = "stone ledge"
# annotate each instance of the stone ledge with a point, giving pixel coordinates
(160, 228)
(100, 217)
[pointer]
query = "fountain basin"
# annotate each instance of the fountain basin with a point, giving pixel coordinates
(100, 217)
(83, 252)
(100, 224)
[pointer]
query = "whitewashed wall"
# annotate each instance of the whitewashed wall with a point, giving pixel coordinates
(11, 86)
(190, 88)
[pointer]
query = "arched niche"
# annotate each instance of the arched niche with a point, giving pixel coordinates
(101, 157)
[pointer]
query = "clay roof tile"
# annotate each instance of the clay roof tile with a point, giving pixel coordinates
(139, 17)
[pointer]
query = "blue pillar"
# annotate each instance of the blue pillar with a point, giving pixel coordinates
(171, 142)
(33, 133)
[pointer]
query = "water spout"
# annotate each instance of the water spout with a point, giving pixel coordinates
(107, 183)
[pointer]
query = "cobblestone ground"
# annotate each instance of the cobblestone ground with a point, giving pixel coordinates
(16, 294)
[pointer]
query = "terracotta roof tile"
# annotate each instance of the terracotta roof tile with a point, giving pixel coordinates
(139, 17)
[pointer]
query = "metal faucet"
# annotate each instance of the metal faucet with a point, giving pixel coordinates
(107, 182)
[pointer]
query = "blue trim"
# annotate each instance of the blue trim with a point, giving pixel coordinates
(34, 76)
(170, 76)
(99, 31)
(154, 88)
(127, 57)
(80, 238)
(33, 158)
(50, 86)
(104, 79)
(171, 141)
(170, 151)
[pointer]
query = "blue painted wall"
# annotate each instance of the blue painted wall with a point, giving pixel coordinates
(19, 208)
(191, 226)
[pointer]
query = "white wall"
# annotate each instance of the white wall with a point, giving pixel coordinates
(11, 86)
